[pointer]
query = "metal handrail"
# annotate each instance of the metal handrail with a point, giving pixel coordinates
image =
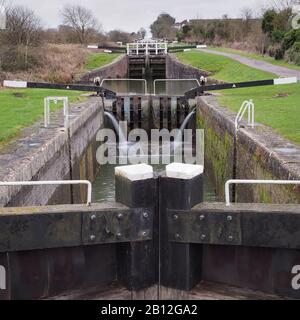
(126, 79)
(63, 182)
(170, 80)
(47, 110)
(247, 105)
(237, 181)
(147, 47)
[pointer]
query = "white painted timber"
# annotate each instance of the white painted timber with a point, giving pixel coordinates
(92, 47)
(183, 170)
(201, 46)
(107, 51)
(14, 84)
(285, 80)
(135, 172)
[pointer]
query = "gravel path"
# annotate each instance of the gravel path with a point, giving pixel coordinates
(258, 64)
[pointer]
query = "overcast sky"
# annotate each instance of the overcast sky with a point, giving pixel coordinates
(130, 15)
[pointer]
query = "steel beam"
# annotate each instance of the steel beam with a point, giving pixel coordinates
(256, 225)
(57, 86)
(35, 228)
(247, 84)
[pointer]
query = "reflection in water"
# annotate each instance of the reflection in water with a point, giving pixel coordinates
(104, 185)
(126, 87)
(137, 87)
(174, 88)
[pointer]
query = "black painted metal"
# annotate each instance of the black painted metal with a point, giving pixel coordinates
(180, 48)
(113, 49)
(138, 261)
(180, 263)
(33, 229)
(77, 87)
(248, 84)
(264, 226)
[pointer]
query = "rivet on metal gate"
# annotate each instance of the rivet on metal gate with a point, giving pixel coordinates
(202, 217)
(120, 216)
(229, 218)
(146, 215)
(119, 235)
(92, 237)
(203, 237)
(175, 217)
(93, 217)
(145, 233)
(177, 236)
(230, 238)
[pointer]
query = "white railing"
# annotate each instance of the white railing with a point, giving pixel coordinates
(63, 182)
(246, 106)
(47, 110)
(172, 80)
(125, 79)
(275, 182)
(147, 48)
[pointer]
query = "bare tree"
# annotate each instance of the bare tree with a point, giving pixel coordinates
(81, 20)
(247, 16)
(23, 32)
(142, 33)
(23, 26)
(119, 35)
(283, 4)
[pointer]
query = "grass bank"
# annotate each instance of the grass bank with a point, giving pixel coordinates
(275, 106)
(98, 60)
(269, 59)
(20, 108)
(222, 68)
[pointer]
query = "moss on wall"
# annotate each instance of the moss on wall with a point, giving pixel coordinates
(252, 161)
(218, 156)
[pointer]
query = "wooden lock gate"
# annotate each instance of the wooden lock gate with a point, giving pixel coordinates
(157, 241)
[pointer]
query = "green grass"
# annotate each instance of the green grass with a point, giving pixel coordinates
(269, 59)
(280, 113)
(98, 60)
(222, 68)
(275, 106)
(20, 108)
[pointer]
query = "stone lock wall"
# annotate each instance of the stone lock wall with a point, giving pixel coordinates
(259, 152)
(53, 154)
(116, 69)
(177, 70)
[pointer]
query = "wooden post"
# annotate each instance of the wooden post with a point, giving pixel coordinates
(136, 187)
(180, 189)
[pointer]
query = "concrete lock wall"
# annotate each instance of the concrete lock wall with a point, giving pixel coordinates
(116, 69)
(178, 70)
(260, 154)
(52, 154)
